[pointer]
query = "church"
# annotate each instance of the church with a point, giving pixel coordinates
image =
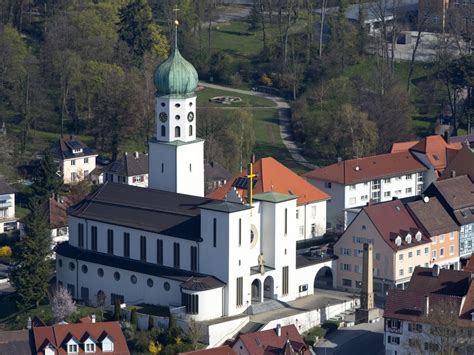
(169, 245)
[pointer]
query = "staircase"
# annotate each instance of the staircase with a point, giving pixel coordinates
(266, 306)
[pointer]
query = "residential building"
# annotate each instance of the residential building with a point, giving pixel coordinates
(353, 183)
(85, 337)
(434, 314)
(16, 342)
(76, 160)
(215, 176)
(57, 216)
(438, 225)
(220, 350)
(161, 244)
(457, 197)
(398, 247)
(132, 169)
(462, 163)
(451, 16)
(272, 176)
(280, 340)
(8, 221)
(467, 139)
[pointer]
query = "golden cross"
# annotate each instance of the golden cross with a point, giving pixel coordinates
(250, 176)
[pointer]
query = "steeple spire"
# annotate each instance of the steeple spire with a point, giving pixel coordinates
(176, 24)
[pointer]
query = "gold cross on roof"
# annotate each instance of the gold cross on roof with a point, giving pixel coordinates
(250, 176)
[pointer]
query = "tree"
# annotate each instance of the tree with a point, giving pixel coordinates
(133, 316)
(155, 347)
(31, 256)
(62, 304)
(117, 311)
(194, 332)
(47, 177)
(101, 302)
(362, 35)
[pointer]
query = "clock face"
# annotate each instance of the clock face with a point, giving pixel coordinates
(163, 117)
(190, 117)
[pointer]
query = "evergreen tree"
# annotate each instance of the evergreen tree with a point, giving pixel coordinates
(33, 268)
(362, 35)
(47, 180)
(117, 311)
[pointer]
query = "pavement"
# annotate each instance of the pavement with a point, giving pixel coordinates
(283, 117)
(362, 339)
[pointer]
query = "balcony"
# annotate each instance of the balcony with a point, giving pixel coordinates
(4, 204)
(394, 330)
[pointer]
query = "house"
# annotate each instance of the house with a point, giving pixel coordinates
(161, 244)
(462, 163)
(467, 139)
(434, 314)
(85, 337)
(353, 183)
(457, 197)
(279, 340)
(445, 15)
(443, 231)
(57, 217)
(16, 342)
(76, 160)
(221, 350)
(8, 221)
(132, 169)
(272, 176)
(399, 246)
(215, 175)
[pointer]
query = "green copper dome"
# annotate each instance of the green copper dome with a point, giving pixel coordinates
(176, 76)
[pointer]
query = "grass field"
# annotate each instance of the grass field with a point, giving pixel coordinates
(205, 94)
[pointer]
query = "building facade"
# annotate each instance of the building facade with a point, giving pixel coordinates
(8, 221)
(132, 169)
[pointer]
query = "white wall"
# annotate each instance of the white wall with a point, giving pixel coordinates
(7, 208)
(186, 106)
(334, 206)
(80, 167)
(306, 276)
(306, 218)
(210, 303)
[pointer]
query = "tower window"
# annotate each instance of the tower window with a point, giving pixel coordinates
(190, 130)
(190, 168)
(163, 131)
(177, 117)
(177, 132)
(177, 105)
(190, 104)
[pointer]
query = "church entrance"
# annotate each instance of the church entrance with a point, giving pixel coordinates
(324, 278)
(268, 288)
(256, 291)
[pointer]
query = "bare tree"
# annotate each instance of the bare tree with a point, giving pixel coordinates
(101, 302)
(194, 332)
(62, 304)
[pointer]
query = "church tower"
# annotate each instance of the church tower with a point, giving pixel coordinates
(176, 155)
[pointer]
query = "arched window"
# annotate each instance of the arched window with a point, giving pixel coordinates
(177, 131)
(163, 131)
(190, 130)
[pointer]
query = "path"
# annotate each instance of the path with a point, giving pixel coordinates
(283, 117)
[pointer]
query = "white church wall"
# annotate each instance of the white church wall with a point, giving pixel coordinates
(210, 303)
(177, 107)
(218, 333)
(305, 277)
(190, 168)
(162, 166)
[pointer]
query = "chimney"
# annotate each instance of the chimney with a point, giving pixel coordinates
(427, 305)
(453, 173)
(278, 330)
(135, 155)
(93, 318)
(28, 323)
(339, 159)
(435, 270)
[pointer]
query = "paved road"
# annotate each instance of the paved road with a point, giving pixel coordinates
(362, 339)
(284, 120)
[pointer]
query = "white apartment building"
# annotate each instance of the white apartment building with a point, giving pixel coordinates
(76, 160)
(8, 221)
(353, 183)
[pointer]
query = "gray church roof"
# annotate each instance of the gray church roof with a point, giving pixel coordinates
(163, 212)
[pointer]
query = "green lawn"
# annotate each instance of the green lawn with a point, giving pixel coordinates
(247, 100)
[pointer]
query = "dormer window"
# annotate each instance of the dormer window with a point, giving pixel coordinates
(418, 236)
(90, 347)
(72, 348)
(107, 344)
(49, 350)
(398, 241)
(408, 238)
(77, 151)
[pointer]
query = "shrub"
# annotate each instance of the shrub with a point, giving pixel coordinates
(117, 311)
(5, 251)
(330, 326)
(311, 334)
(133, 316)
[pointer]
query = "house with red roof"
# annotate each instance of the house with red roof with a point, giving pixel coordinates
(379, 178)
(434, 314)
(272, 176)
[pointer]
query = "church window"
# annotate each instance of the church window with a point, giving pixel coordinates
(214, 233)
(60, 262)
(84, 269)
(240, 232)
(100, 272)
(193, 258)
(240, 291)
(166, 286)
(190, 168)
(143, 248)
(162, 167)
(177, 132)
(116, 275)
(149, 282)
(190, 130)
(177, 105)
(191, 302)
(71, 289)
(285, 280)
(114, 299)
(94, 238)
(159, 252)
(178, 117)
(163, 130)
(286, 221)
(72, 266)
(110, 241)
(126, 244)
(80, 234)
(133, 279)
(176, 256)
(253, 236)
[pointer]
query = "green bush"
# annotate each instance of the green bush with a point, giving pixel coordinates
(330, 326)
(310, 335)
(117, 311)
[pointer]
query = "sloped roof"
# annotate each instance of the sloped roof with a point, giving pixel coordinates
(470, 264)
(58, 334)
(402, 146)
(272, 176)
(205, 283)
(130, 165)
(432, 216)
(16, 342)
(221, 350)
(57, 213)
(213, 170)
(63, 149)
(392, 219)
(5, 188)
(354, 171)
(461, 164)
(268, 342)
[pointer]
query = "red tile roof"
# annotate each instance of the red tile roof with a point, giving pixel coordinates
(268, 342)
(58, 334)
(402, 146)
(353, 171)
(272, 176)
(392, 219)
(221, 350)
